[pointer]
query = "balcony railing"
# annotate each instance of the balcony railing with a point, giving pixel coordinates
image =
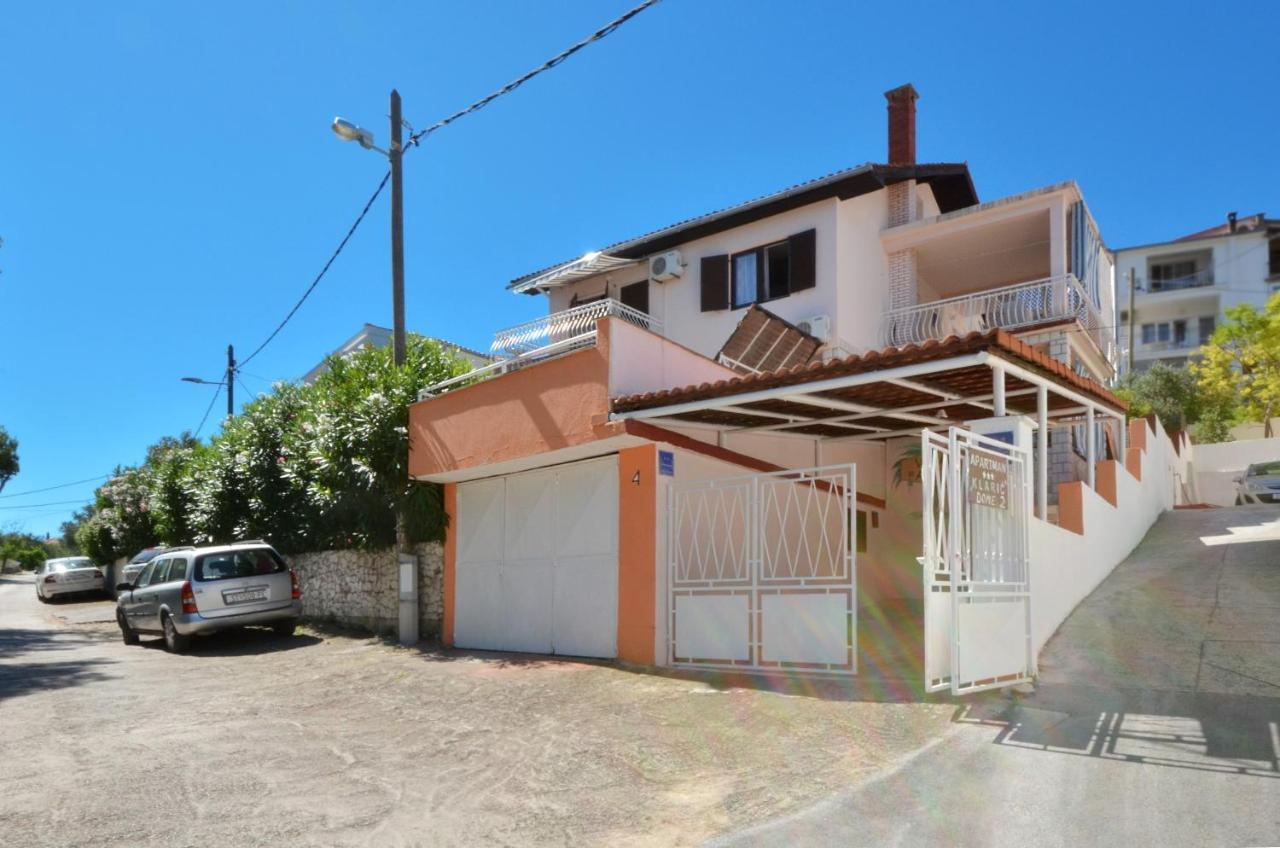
(1008, 308)
(551, 335)
(1200, 279)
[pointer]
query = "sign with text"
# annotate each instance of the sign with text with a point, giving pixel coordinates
(988, 480)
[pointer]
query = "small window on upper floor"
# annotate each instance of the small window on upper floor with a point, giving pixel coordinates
(1274, 267)
(760, 274)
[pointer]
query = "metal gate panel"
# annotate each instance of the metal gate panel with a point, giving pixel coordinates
(977, 508)
(935, 476)
(762, 571)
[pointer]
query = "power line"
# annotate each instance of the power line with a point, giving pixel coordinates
(208, 409)
(48, 503)
(52, 488)
(416, 138)
(342, 244)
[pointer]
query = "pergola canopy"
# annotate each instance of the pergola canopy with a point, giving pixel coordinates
(885, 394)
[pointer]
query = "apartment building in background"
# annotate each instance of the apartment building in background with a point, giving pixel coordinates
(1183, 287)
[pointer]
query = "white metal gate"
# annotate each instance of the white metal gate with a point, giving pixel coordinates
(977, 580)
(762, 572)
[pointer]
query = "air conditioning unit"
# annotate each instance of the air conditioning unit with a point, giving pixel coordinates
(665, 266)
(819, 326)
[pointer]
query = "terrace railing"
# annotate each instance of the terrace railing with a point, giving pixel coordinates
(542, 338)
(1013, 307)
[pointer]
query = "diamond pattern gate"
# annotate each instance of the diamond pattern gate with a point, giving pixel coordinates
(977, 580)
(762, 571)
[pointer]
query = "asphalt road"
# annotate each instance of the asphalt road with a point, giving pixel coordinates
(331, 739)
(1156, 719)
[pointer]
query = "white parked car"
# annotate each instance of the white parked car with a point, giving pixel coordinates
(68, 576)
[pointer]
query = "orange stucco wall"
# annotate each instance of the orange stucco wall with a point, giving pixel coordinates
(637, 523)
(450, 560)
(542, 408)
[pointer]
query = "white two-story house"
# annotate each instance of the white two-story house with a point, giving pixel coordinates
(1183, 288)
(808, 336)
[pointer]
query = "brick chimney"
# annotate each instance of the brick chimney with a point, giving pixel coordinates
(902, 124)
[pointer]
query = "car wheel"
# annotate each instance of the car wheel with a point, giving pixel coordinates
(126, 632)
(284, 629)
(174, 642)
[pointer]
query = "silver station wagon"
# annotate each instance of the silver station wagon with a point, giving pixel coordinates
(185, 592)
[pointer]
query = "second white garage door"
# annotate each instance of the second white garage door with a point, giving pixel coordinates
(537, 561)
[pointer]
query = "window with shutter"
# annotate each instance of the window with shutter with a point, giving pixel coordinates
(804, 260)
(714, 276)
(636, 296)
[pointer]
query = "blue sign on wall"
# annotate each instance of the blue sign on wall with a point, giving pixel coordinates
(666, 463)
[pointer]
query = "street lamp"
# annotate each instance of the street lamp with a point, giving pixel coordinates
(229, 382)
(348, 131)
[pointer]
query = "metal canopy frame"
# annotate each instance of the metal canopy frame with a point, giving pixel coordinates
(809, 410)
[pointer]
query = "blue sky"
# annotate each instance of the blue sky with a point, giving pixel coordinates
(169, 184)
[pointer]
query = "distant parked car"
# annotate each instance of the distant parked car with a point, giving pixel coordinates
(185, 592)
(1259, 484)
(68, 576)
(134, 567)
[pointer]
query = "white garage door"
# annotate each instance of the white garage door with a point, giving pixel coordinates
(537, 561)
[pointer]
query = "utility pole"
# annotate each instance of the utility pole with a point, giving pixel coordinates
(1131, 321)
(396, 156)
(231, 381)
(406, 559)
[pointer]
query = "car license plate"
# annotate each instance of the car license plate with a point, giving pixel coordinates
(242, 596)
(79, 575)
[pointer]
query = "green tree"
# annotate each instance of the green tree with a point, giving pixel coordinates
(357, 430)
(8, 457)
(1241, 362)
(122, 521)
(1171, 393)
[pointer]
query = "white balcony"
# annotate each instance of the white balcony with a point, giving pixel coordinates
(1016, 307)
(546, 337)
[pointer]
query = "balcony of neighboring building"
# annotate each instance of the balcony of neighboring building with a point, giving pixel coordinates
(1167, 339)
(1019, 264)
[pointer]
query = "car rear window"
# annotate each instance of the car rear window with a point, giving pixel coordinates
(232, 564)
(64, 565)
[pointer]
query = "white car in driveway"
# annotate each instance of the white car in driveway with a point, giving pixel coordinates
(68, 576)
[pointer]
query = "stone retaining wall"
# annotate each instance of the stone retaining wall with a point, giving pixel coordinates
(358, 588)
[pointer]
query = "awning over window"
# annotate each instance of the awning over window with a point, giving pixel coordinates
(587, 266)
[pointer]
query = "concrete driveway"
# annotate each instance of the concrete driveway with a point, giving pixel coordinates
(327, 739)
(1156, 719)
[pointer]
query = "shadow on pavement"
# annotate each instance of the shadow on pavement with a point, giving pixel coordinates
(17, 641)
(18, 679)
(1231, 734)
(243, 642)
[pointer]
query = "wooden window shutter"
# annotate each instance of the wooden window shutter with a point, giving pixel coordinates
(715, 282)
(804, 260)
(636, 296)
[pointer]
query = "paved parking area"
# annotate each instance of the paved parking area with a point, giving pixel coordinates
(329, 739)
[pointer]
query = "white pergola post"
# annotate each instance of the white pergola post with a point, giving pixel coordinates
(997, 391)
(1091, 449)
(1042, 452)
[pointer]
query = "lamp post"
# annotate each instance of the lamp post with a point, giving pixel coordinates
(348, 131)
(229, 382)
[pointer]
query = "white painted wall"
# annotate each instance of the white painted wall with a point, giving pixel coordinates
(641, 361)
(677, 303)
(863, 271)
(1067, 566)
(1216, 466)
